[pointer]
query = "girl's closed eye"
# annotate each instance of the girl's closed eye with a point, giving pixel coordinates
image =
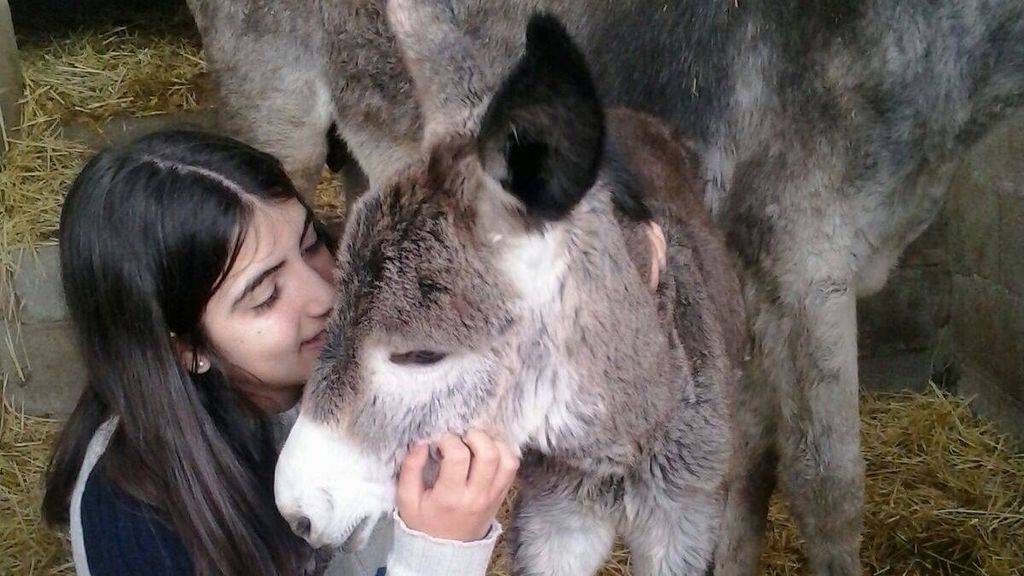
(269, 301)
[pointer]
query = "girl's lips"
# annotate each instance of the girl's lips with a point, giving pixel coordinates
(316, 341)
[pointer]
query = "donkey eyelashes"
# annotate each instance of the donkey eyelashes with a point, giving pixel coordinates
(417, 358)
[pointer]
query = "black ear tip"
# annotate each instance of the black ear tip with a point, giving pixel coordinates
(549, 45)
(545, 29)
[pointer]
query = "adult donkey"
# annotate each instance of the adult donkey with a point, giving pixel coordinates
(517, 279)
(829, 131)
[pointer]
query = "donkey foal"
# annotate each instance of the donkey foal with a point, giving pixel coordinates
(505, 281)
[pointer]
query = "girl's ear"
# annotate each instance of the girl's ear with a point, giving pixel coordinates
(191, 359)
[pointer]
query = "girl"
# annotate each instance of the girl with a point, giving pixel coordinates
(199, 283)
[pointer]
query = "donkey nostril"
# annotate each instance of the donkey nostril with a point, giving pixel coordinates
(302, 527)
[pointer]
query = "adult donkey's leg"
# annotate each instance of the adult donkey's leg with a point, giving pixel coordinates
(793, 231)
(815, 366)
(553, 535)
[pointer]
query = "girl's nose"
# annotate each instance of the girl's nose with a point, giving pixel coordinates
(320, 293)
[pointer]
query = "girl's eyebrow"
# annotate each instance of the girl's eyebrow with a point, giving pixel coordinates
(255, 282)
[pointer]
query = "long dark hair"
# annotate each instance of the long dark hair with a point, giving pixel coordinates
(147, 234)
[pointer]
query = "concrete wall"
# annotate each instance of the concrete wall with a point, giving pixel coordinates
(954, 309)
(44, 370)
(903, 332)
(986, 259)
(10, 75)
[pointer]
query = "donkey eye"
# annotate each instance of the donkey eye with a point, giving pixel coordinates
(418, 358)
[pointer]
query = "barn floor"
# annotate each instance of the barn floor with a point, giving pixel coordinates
(945, 492)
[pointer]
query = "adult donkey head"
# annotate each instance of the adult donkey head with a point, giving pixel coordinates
(488, 286)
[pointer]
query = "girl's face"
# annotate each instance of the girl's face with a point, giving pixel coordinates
(266, 320)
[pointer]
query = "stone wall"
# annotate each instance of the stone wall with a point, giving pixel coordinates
(954, 308)
(903, 330)
(41, 361)
(986, 259)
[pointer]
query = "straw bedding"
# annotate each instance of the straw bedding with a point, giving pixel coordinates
(86, 78)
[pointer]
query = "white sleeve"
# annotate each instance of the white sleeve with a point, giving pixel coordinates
(417, 554)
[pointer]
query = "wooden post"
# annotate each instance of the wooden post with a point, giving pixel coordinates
(10, 76)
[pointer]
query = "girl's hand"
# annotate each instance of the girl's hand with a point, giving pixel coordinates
(476, 473)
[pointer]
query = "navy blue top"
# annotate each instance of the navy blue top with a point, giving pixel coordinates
(124, 536)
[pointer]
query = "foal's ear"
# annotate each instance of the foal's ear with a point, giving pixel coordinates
(542, 134)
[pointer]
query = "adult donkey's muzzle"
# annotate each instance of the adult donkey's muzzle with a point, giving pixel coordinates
(330, 491)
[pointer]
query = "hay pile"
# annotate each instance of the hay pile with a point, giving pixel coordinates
(86, 77)
(26, 546)
(329, 198)
(944, 493)
(945, 496)
(94, 75)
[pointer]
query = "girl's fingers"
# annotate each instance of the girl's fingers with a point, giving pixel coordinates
(484, 462)
(455, 461)
(508, 466)
(410, 477)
